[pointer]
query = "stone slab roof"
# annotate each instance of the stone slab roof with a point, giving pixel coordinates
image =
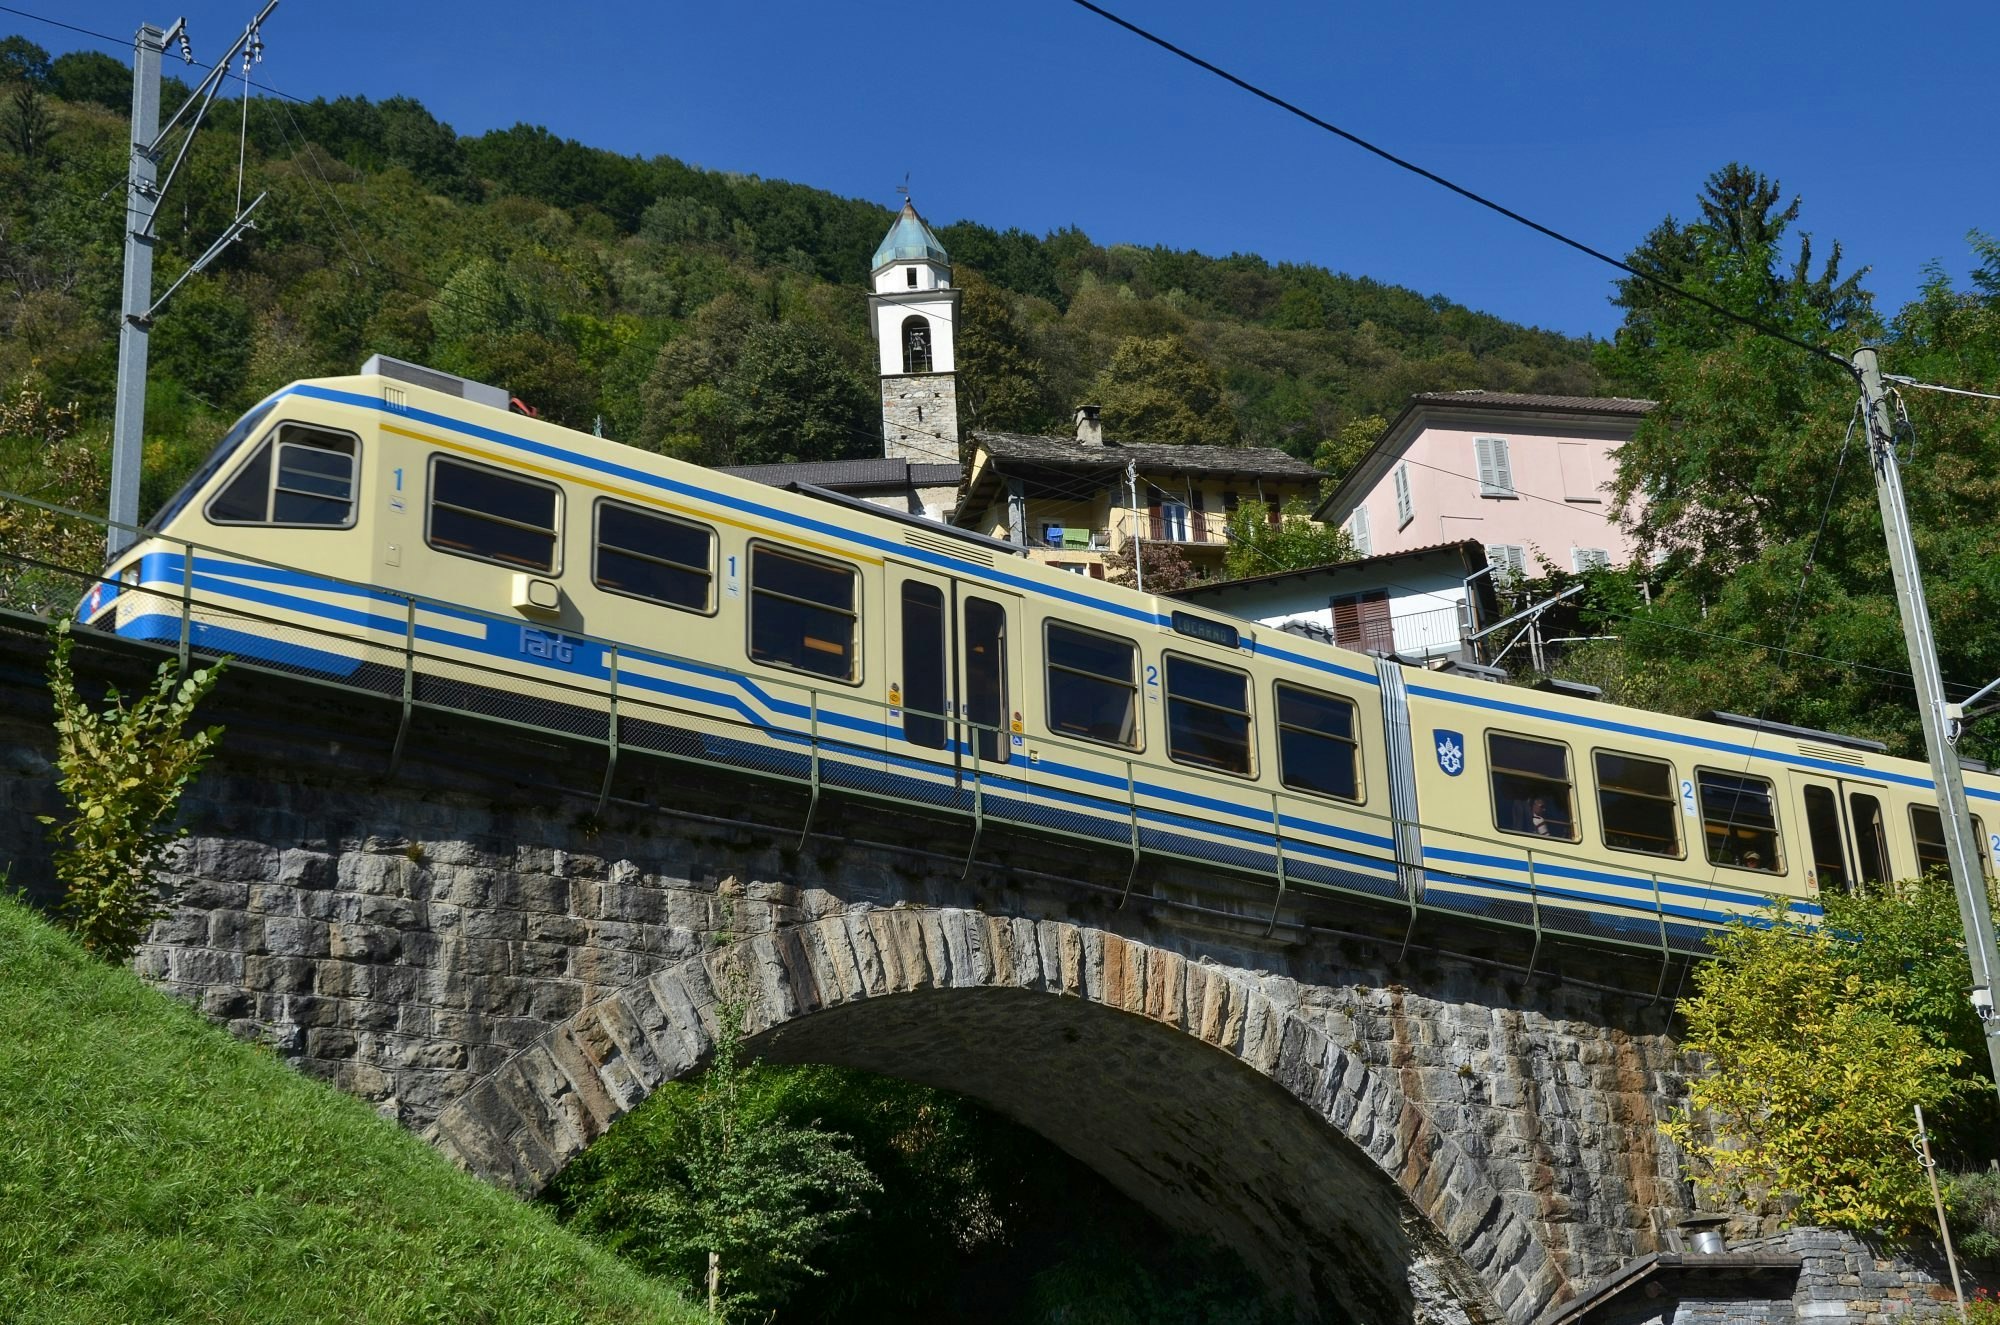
(1065, 453)
(848, 475)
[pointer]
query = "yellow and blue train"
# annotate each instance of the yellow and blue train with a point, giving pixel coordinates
(403, 526)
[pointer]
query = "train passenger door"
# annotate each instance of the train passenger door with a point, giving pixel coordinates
(953, 670)
(1847, 832)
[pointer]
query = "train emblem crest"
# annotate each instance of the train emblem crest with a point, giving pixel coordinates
(1450, 752)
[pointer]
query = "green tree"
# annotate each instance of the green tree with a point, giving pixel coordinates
(122, 772)
(1295, 542)
(1337, 456)
(1810, 1075)
(1002, 383)
(1156, 389)
(717, 1168)
(21, 61)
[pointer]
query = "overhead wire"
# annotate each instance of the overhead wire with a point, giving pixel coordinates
(1665, 286)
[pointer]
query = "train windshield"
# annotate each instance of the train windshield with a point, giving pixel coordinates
(224, 449)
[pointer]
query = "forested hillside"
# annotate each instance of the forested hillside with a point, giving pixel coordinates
(716, 316)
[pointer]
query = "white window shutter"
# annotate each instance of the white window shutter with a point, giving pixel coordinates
(1590, 558)
(1357, 529)
(1496, 476)
(1508, 560)
(1403, 506)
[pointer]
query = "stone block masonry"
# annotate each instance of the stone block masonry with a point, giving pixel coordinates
(1385, 1134)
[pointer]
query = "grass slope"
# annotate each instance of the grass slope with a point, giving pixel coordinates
(154, 1169)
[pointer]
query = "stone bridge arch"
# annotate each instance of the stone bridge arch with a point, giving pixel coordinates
(1201, 1077)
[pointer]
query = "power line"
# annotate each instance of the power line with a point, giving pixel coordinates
(1290, 108)
(1914, 384)
(126, 42)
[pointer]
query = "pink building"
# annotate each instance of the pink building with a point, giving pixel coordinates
(1527, 477)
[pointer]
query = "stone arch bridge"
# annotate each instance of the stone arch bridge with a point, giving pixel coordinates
(1387, 1123)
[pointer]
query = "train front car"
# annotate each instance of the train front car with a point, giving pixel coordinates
(268, 544)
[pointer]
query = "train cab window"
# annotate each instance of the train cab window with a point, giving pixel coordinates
(986, 679)
(1093, 686)
(1739, 821)
(654, 557)
(490, 516)
(300, 477)
(1208, 715)
(923, 665)
(1927, 827)
(803, 614)
(1532, 791)
(1637, 804)
(1316, 747)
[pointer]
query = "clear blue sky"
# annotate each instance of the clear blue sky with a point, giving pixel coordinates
(1598, 119)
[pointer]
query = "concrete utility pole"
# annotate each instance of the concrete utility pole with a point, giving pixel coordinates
(144, 192)
(1962, 846)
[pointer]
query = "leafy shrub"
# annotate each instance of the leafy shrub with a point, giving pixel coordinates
(122, 772)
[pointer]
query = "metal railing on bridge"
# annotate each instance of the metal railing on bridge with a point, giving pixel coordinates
(1298, 844)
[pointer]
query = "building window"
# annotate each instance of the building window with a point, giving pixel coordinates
(653, 556)
(490, 516)
(910, 277)
(1405, 508)
(1508, 560)
(1739, 821)
(1208, 715)
(1317, 751)
(1361, 621)
(916, 344)
(1357, 531)
(1532, 792)
(313, 487)
(802, 613)
(1496, 476)
(1637, 802)
(1093, 686)
(1589, 558)
(1173, 522)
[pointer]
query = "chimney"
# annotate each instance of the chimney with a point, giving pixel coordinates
(1089, 428)
(1704, 1233)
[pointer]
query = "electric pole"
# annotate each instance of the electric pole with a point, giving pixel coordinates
(144, 192)
(1962, 846)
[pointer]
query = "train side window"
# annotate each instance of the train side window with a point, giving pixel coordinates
(312, 488)
(1532, 791)
(1823, 830)
(1093, 686)
(803, 613)
(1208, 715)
(1316, 746)
(986, 678)
(1637, 803)
(1739, 821)
(491, 516)
(1871, 838)
(1927, 827)
(923, 665)
(654, 557)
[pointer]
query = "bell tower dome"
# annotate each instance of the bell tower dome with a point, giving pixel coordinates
(914, 311)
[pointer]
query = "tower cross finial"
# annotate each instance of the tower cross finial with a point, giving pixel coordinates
(904, 187)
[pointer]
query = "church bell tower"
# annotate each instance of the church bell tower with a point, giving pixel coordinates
(914, 312)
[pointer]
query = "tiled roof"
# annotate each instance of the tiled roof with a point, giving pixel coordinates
(1064, 453)
(1472, 553)
(1514, 400)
